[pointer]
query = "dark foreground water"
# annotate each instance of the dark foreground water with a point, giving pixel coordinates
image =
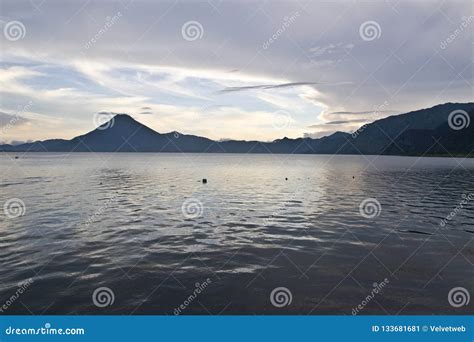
(144, 227)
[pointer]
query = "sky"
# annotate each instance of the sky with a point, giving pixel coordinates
(253, 70)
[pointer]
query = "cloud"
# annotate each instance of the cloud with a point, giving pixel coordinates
(139, 63)
(340, 122)
(20, 142)
(331, 49)
(318, 135)
(7, 120)
(274, 86)
(15, 128)
(111, 113)
(362, 112)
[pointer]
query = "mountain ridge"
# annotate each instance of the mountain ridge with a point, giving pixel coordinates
(123, 133)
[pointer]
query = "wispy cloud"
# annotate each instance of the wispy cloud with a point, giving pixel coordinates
(110, 113)
(362, 112)
(138, 66)
(340, 122)
(11, 119)
(276, 86)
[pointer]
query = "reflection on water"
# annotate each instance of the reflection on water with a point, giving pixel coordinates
(118, 221)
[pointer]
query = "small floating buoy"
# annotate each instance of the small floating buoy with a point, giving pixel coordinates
(204, 181)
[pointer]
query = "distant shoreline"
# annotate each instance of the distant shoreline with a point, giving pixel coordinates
(249, 153)
(425, 132)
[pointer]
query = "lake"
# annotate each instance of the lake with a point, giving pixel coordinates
(132, 233)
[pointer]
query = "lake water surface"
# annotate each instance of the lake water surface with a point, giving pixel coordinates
(145, 227)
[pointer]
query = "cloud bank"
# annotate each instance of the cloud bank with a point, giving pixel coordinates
(206, 67)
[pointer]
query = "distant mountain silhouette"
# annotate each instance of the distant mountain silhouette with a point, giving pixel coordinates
(442, 140)
(379, 137)
(420, 132)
